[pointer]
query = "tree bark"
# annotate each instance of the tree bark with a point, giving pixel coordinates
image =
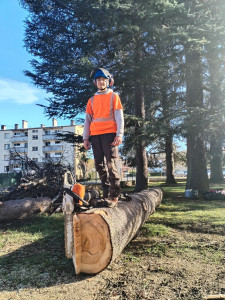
(22, 208)
(169, 160)
(197, 177)
(216, 102)
(141, 156)
(101, 234)
(216, 161)
(168, 136)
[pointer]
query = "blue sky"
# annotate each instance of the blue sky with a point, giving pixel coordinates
(18, 95)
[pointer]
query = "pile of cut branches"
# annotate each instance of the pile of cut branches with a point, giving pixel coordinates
(44, 181)
(40, 190)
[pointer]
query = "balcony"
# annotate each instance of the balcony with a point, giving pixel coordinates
(15, 162)
(17, 170)
(49, 137)
(19, 150)
(20, 138)
(52, 148)
(52, 159)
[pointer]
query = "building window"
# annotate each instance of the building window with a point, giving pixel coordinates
(25, 145)
(17, 145)
(47, 143)
(35, 159)
(7, 136)
(58, 153)
(17, 133)
(34, 137)
(47, 155)
(6, 147)
(6, 157)
(34, 148)
(35, 131)
(57, 142)
(6, 168)
(47, 132)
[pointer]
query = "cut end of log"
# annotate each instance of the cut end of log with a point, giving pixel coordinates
(100, 234)
(92, 244)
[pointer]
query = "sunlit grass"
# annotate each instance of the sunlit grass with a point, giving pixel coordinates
(32, 250)
(177, 216)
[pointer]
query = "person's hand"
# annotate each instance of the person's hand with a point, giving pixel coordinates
(117, 141)
(87, 145)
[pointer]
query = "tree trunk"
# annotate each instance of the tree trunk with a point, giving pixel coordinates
(168, 135)
(141, 156)
(216, 102)
(101, 234)
(22, 208)
(197, 177)
(216, 153)
(169, 160)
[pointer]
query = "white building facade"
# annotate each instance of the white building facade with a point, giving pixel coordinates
(39, 144)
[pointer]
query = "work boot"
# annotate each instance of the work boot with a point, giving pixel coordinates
(96, 202)
(110, 202)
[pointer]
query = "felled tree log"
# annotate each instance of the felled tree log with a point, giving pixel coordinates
(28, 206)
(21, 208)
(101, 234)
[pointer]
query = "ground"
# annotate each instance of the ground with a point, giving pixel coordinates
(179, 254)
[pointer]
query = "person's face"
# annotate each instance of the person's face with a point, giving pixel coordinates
(102, 83)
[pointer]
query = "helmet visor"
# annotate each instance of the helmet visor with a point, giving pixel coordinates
(99, 73)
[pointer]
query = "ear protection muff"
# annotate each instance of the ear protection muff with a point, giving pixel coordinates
(92, 76)
(111, 80)
(105, 73)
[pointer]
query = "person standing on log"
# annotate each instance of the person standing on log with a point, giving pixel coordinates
(103, 130)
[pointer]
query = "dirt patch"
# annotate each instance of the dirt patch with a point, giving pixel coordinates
(179, 254)
(183, 265)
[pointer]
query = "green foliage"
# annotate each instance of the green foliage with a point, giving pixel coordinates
(145, 44)
(72, 138)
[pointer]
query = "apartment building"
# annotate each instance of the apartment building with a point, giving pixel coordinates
(39, 144)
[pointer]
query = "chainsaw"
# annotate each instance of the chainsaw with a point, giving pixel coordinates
(73, 203)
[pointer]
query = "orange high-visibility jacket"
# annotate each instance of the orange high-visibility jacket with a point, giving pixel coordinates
(101, 107)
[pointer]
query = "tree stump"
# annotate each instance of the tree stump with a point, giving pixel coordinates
(101, 234)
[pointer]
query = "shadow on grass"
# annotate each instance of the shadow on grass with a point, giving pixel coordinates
(195, 216)
(37, 264)
(39, 223)
(159, 247)
(200, 226)
(182, 204)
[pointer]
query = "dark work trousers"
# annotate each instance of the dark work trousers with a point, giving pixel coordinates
(106, 155)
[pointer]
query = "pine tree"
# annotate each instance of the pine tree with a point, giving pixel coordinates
(71, 37)
(205, 30)
(144, 44)
(215, 56)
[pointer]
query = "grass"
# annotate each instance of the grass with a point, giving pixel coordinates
(176, 216)
(32, 250)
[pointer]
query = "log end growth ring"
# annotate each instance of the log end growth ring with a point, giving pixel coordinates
(93, 244)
